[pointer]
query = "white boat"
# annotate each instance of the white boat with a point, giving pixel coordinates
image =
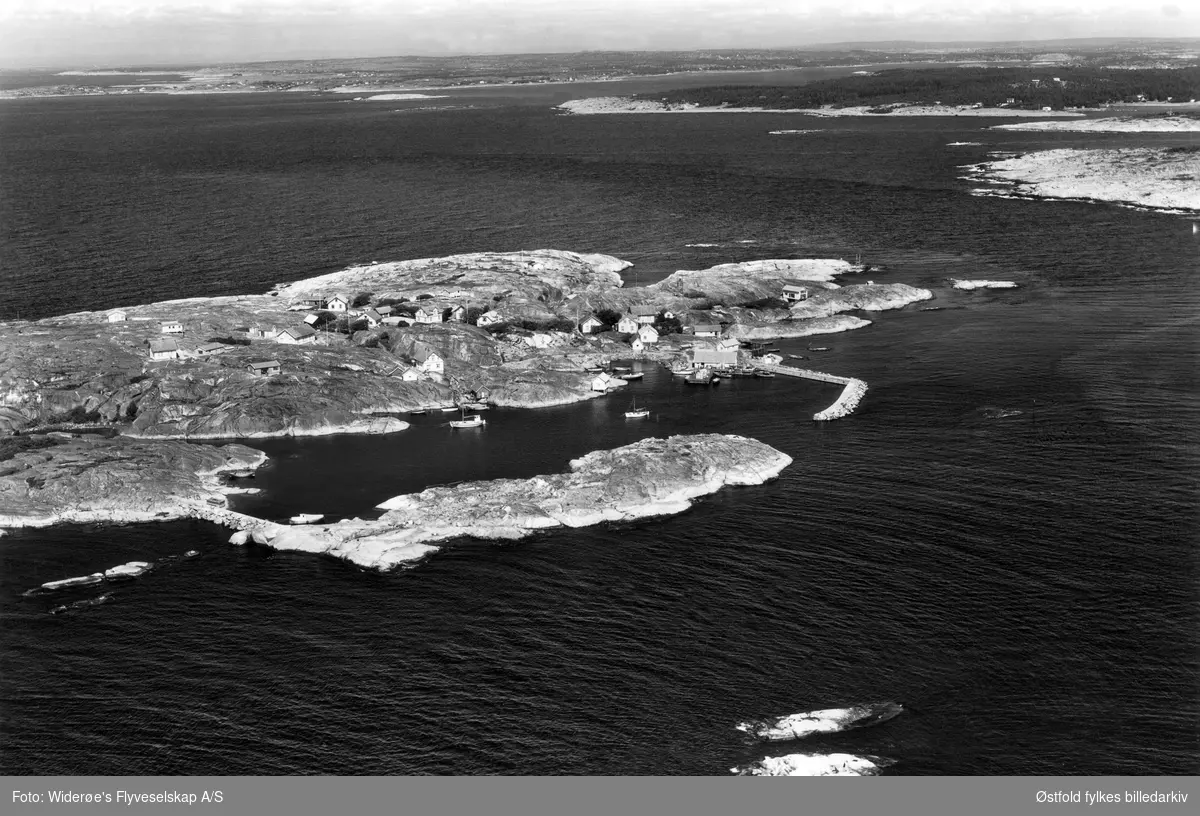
(306, 518)
(636, 375)
(636, 413)
(445, 409)
(473, 421)
(681, 372)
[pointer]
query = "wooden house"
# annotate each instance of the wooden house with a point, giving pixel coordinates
(458, 313)
(795, 294)
(627, 325)
(428, 360)
(648, 334)
(374, 318)
(602, 381)
(429, 314)
(297, 335)
(209, 349)
(644, 315)
(165, 349)
(707, 330)
(491, 318)
(637, 345)
(338, 303)
(117, 316)
(265, 368)
(591, 325)
(171, 327)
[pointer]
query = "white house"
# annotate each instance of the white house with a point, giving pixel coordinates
(374, 318)
(714, 357)
(297, 335)
(411, 375)
(262, 331)
(591, 325)
(490, 318)
(707, 330)
(209, 349)
(117, 317)
(458, 313)
(163, 349)
(645, 314)
(429, 314)
(602, 381)
(172, 327)
(627, 325)
(795, 294)
(648, 334)
(637, 345)
(338, 303)
(429, 361)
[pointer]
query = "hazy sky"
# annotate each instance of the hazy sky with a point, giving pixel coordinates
(89, 33)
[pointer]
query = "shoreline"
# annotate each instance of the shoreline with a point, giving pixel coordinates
(599, 105)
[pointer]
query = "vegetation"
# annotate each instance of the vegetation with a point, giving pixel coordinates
(10, 446)
(230, 341)
(1026, 88)
(473, 314)
(667, 325)
(609, 317)
(362, 299)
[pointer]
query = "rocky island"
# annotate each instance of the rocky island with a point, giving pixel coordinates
(1150, 178)
(653, 477)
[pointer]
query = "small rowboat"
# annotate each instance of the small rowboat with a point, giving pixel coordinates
(418, 413)
(636, 375)
(622, 368)
(445, 409)
(306, 518)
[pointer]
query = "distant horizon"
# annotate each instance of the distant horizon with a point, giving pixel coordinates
(869, 45)
(102, 34)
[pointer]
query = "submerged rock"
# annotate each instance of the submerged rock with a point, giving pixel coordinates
(823, 721)
(648, 478)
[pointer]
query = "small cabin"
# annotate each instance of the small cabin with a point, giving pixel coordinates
(648, 334)
(171, 327)
(591, 325)
(429, 361)
(297, 335)
(265, 368)
(602, 381)
(458, 313)
(163, 349)
(707, 330)
(338, 303)
(645, 315)
(429, 314)
(374, 318)
(627, 325)
(411, 375)
(262, 331)
(795, 294)
(117, 316)
(637, 345)
(209, 349)
(491, 318)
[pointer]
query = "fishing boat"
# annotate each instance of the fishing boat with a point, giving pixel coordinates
(764, 374)
(306, 518)
(633, 375)
(622, 368)
(636, 413)
(472, 421)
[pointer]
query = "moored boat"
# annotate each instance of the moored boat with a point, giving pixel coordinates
(764, 374)
(306, 518)
(636, 413)
(473, 421)
(633, 375)
(445, 409)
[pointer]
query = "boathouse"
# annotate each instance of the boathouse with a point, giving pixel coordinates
(602, 381)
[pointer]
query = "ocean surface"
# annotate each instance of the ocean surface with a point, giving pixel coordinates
(1003, 537)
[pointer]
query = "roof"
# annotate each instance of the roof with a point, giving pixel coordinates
(421, 353)
(212, 347)
(299, 332)
(794, 288)
(163, 345)
(171, 323)
(342, 298)
(644, 311)
(265, 364)
(707, 327)
(645, 329)
(373, 314)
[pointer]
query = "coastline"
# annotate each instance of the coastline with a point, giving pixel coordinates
(593, 106)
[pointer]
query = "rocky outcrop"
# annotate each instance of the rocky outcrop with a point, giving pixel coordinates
(740, 283)
(816, 765)
(92, 478)
(796, 328)
(648, 478)
(1114, 124)
(1147, 178)
(874, 297)
(481, 275)
(823, 721)
(983, 284)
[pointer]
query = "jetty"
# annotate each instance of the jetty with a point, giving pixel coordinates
(255, 528)
(853, 389)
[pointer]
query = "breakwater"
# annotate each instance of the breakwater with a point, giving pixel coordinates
(852, 392)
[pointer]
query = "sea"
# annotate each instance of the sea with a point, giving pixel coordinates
(1002, 537)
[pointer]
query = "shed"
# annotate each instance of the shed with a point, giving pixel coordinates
(795, 294)
(265, 368)
(297, 335)
(117, 316)
(171, 327)
(591, 325)
(601, 382)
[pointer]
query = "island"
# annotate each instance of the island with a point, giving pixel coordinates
(1148, 178)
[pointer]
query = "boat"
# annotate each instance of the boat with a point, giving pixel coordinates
(681, 372)
(472, 421)
(818, 348)
(306, 518)
(418, 413)
(636, 413)
(622, 368)
(797, 357)
(242, 474)
(715, 380)
(744, 371)
(634, 375)
(215, 502)
(445, 409)
(764, 374)
(476, 406)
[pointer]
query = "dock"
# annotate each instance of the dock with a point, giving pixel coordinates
(852, 392)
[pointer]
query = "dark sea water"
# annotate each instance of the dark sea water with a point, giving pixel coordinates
(1003, 537)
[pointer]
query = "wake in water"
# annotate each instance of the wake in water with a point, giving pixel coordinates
(816, 765)
(823, 721)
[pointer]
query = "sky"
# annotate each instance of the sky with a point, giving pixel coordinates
(112, 33)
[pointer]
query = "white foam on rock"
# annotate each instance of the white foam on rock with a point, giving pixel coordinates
(814, 765)
(984, 284)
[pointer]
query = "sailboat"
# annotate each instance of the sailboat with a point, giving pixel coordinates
(472, 421)
(636, 413)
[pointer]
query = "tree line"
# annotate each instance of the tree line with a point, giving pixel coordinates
(1029, 88)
